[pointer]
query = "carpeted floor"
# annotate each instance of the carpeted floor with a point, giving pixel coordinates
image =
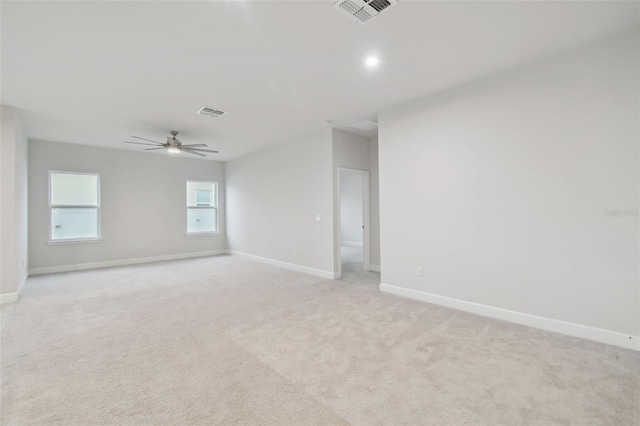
(351, 260)
(222, 340)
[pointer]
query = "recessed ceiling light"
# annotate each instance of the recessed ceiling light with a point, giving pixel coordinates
(372, 61)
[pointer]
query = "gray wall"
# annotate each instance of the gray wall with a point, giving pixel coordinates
(143, 199)
(500, 188)
(352, 152)
(13, 204)
(374, 202)
(351, 214)
(274, 197)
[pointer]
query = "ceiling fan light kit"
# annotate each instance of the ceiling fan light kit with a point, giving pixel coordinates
(174, 146)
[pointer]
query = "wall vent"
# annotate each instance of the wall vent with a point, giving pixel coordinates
(210, 112)
(365, 125)
(363, 11)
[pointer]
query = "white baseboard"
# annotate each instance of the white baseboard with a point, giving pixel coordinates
(291, 266)
(21, 285)
(123, 262)
(13, 297)
(8, 298)
(374, 268)
(563, 327)
(352, 243)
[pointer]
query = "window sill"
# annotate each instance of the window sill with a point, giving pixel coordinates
(201, 234)
(76, 241)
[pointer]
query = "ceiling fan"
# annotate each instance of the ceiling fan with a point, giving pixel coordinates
(174, 146)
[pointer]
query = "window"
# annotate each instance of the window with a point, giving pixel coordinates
(74, 200)
(204, 197)
(202, 207)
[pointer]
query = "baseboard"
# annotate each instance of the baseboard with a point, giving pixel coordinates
(563, 327)
(21, 285)
(374, 268)
(291, 266)
(123, 262)
(13, 297)
(8, 298)
(352, 243)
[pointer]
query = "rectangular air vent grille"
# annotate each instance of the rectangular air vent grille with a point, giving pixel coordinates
(379, 5)
(362, 11)
(211, 112)
(365, 125)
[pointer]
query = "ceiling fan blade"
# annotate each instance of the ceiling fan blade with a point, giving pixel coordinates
(193, 152)
(194, 144)
(140, 143)
(203, 150)
(151, 149)
(148, 140)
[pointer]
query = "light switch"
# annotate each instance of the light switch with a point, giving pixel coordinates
(317, 218)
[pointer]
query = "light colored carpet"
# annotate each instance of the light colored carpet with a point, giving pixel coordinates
(222, 340)
(351, 262)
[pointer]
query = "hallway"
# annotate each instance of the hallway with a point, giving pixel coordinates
(351, 259)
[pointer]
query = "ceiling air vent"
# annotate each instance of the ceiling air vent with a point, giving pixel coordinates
(362, 11)
(210, 112)
(365, 125)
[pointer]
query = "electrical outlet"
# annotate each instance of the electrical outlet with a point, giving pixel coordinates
(296, 251)
(419, 271)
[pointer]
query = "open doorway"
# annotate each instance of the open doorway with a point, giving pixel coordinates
(353, 186)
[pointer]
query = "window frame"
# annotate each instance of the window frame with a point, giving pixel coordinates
(98, 208)
(214, 206)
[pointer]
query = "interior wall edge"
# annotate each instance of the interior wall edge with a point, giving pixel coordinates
(6, 298)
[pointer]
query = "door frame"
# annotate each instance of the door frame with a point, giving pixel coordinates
(366, 231)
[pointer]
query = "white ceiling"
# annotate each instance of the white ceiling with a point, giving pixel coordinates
(97, 72)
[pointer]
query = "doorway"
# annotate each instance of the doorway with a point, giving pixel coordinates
(353, 228)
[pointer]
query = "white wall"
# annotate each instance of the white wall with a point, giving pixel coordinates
(143, 199)
(352, 152)
(351, 212)
(13, 205)
(499, 189)
(374, 203)
(273, 198)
